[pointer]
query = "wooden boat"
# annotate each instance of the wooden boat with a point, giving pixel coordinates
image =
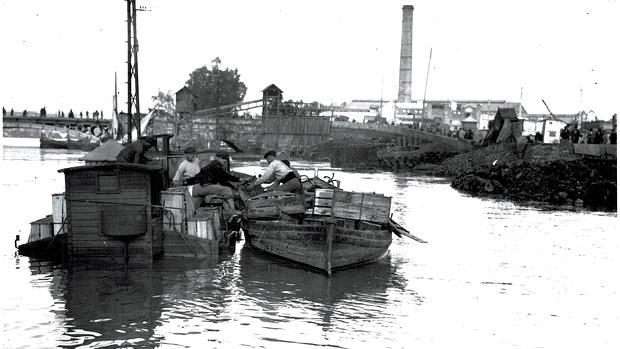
(128, 211)
(321, 243)
(48, 143)
(84, 145)
(341, 230)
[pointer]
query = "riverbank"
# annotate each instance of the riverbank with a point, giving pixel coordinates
(538, 173)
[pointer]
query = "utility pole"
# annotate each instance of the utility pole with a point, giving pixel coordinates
(428, 70)
(520, 102)
(133, 95)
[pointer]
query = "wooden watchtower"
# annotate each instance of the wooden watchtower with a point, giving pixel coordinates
(186, 101)
(272, 100)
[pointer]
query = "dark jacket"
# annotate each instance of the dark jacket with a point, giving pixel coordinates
(134, 153)
(213, 173)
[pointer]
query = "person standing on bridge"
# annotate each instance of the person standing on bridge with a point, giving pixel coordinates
(3, 112)
(71, 116)
(12, 112)
(81, 115)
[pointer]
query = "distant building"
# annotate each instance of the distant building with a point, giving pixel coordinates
(186, 101)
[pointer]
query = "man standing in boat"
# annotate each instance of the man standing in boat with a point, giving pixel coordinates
(279, 175)
(134, 152)
(214, 180)
(188, 168)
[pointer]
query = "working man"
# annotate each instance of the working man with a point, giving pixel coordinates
(288, 163)
(188, 168)
(134, 152)
(213, 179)
(279, 175)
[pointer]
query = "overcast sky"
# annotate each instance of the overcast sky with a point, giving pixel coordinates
(63, 53)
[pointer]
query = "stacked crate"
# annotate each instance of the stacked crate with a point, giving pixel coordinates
(369, 207)
(273, 204)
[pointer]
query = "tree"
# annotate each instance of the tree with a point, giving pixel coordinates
(216, 87)
(164, 101)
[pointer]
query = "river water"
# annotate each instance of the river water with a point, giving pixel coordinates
(492, 275)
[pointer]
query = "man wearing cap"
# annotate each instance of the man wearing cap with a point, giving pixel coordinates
(188, 168)
(134, 152)
(281, 177)
(213, 179)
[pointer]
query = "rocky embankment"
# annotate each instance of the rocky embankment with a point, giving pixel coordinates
(517, 176)
(350, 152)
(425, 154)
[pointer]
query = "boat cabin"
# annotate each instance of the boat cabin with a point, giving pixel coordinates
(110, 212)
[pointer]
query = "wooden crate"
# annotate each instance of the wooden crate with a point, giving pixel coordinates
(59, 212)
(347, 205)
(41, 229)
(201, 227)
(376, 208)
(270, 204)
(323, 199)
(179, 203)
(361, 206)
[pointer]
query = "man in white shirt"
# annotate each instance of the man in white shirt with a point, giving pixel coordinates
(279, 175)
(188, 168)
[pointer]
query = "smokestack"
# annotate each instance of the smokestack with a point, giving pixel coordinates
(404, 77)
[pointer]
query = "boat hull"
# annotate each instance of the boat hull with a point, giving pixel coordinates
(47, 143)
(312, 244)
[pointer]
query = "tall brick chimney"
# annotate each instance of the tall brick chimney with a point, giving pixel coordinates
(404, 76)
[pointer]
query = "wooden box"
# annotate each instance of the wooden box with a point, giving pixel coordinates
(361, 206)
(270, 204)
(179, 206)
(59, 212)
(41, 229)
(323, 199)
(201, 227)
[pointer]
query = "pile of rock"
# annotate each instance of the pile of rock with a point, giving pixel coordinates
(577, 182)
(481, 159)
(430, 153)
(350, 152)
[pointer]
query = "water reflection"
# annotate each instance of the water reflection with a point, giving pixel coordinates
(179, 301)
(493, 274)
(349, 295)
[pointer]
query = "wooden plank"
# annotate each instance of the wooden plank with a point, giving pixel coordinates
(324, 193)
(323, 211)
(323, 202)
(376, 208)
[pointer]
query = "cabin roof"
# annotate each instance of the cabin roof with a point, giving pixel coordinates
(113, 165)
(105, 152)
(186, 88)
(272, 87)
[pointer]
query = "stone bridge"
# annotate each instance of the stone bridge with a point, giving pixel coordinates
(402, 134)
(31, 126)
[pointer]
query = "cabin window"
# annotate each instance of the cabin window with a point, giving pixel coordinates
(551, 133)
(108, 183)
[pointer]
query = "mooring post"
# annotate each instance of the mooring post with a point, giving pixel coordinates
(329, 238)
